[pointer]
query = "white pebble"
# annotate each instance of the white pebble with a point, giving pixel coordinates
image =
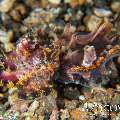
(81, 97)
(102, 12)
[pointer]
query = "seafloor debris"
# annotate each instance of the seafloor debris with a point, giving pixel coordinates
(5, 39)
(6, 5)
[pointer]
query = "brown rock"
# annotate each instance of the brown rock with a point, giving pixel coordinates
(100, 12)
(77, 114)
(18, 12)
(71, 104)
(115, 6)
(118, 60)
(92, 22)
(101, 95)
(74, 3)
(6, 5)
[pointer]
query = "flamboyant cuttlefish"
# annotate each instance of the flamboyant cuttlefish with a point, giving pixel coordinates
(68, 58)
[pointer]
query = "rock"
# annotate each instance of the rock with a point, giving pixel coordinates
(86, 92)
(13, 95)
(42, 16)
(9, 47)
(33, 107)
(82, 97)
(100, 12)
(55, 114)
(118, 60)
(11, 115)
(6, 5)
(31, 118)
(71, 93)
(60, 103)
(64, 114)
(5, 38)
(18, 12)
(115, 6)
(100, 3)
(47, 103)
(82, 2)
(74, 3)
(101, 95)
(20, 106)
(79, 15)
(116, 99)
(55, 1)
(118, 87)
(71, 104)
(67, 1)
(77, 114)
(31, 113)
(5, 17)
(40, 117)
(92, 22)
(44, 3)
(115, 116)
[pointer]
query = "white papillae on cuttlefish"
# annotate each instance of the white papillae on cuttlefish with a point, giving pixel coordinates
(89, 56)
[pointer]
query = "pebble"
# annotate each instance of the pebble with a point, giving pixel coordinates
(33, 106)
(71, 93)
(101, 95)
(118, 60)
(71, 104)
(82, 97)
(100, 3)
(113, 116)
(30, 114)
(64, 114)
(77, 114)
(5, 38)
(82, 2)
(31, 118)
(54, 1)
(54, 115)
(117, 117)
(5, 17)
(92, 22)
(13, 95)
(115, 6)
(101, 12)
(20, 106)
(40, 117)
(74, 3)
(79, 15)
(39, 15)
(43, 3)
(18, 12)
(116, 99)
(11, 115)
(47, 103)
(6, 5)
